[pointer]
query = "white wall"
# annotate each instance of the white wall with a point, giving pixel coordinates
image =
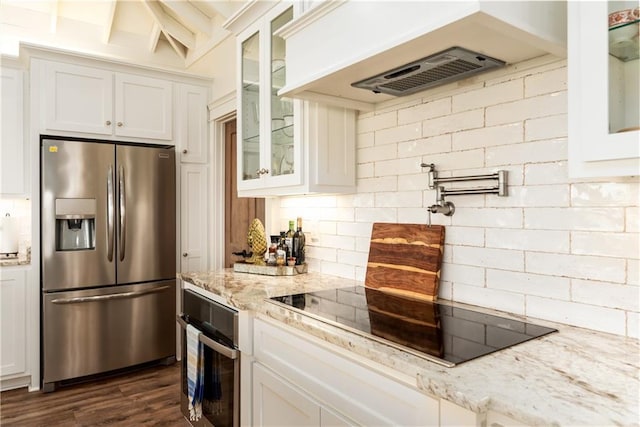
(555, 248)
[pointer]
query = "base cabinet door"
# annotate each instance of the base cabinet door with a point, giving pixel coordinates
(278, 403)
(13, 322)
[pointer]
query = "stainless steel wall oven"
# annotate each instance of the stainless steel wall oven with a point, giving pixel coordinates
(219, 327)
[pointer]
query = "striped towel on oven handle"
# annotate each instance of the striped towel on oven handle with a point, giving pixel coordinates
(195, 372)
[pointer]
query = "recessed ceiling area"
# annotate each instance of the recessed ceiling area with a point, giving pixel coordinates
(171, 33)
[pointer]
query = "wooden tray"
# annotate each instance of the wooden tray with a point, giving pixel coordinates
(405, 259)
(269, 270)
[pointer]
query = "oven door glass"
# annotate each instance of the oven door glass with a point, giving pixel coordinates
(220, 375)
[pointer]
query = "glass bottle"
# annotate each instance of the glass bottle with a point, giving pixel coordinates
(289, 238)
(299, 243)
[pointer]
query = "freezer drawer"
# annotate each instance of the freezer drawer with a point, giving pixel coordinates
(99, 330)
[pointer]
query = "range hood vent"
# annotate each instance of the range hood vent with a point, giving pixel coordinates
(453, 64)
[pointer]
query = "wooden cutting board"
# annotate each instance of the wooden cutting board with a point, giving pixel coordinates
(405, 259)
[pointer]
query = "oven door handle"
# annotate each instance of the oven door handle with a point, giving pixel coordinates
(227, 352)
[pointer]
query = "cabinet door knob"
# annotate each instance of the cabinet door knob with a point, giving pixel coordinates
(108, 123)
(265, 170)
(184, 151)
(184, 254)
(120, 124)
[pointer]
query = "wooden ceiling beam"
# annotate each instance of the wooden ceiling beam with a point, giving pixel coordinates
(192, 16)
(108, 24)
(169, 26)
(154, 37)
(224, 8)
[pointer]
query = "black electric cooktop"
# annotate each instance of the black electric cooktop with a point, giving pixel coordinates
(441, 333)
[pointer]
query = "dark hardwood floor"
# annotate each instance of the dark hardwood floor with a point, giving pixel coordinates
(150, 397)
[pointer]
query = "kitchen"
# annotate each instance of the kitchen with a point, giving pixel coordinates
(561, 247)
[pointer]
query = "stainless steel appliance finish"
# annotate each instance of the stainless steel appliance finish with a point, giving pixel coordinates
(108, 220)
(219, 327)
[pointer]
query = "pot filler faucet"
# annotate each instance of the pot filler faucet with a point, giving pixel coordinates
(446, 207)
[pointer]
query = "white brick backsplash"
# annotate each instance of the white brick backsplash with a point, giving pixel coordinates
(492, 95)
(453, 123)
(529, 284)
(377, 122)
(527, 152)
(494, 217)
(612, 295)
(485, 257)
(418, 113)
(465, 274)
(605, 194)
(365, 140)
(376, 215)
(466, 236)
(577, 266)
(633, 325)
(545, 173)
(632, 223)
(413, 182)
(545, 128)
(583, 315)
(533, 196)
(419, 147)
(488, 136)
(358, 259)
(633, 272)
(398, 167)
(358, 229)
(619, 245)
(557, 248)
(386, 183)
(587, 219)
(364, 170)
(528, 108)
(398, 134)
(398, 199)
(528, 240)
(500, 300)
(379, 152)
(547, 82)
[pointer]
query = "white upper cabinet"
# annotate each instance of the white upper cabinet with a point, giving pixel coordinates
(13, 155)
(90, 100)
(604, 92)
(191, 123)
(286, 146)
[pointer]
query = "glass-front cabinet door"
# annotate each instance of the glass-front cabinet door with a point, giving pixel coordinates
(604, 88)
(270, 126)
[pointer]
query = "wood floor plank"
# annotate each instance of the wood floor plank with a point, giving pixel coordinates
(149, 397)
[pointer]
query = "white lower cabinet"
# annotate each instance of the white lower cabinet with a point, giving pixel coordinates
(13, 322)
(299, 382)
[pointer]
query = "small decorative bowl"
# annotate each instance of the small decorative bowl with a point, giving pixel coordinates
(622, 17)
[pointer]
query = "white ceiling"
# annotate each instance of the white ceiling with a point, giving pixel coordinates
(171, 33)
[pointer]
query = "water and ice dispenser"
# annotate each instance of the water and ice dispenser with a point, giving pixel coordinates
(75, 224)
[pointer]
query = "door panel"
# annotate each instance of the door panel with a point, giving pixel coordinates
(92, 331)
(146, 220)
(76, 174)
(193, 224)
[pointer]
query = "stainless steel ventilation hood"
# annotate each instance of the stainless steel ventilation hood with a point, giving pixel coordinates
(338, 43)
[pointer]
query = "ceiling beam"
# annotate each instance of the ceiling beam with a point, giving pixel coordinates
(108, 24)
(170, 27)
(224, 8)
(193, 17)
(176, 45)
(154, 37)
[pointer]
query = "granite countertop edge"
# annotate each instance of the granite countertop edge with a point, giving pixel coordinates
(574, 377)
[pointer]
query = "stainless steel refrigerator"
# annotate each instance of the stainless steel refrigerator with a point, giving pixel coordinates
(108, 257)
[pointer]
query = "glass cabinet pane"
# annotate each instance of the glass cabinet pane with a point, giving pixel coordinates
(282, 150)
(624, 73)
(250, 108)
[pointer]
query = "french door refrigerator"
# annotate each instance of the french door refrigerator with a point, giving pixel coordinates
(108, 218)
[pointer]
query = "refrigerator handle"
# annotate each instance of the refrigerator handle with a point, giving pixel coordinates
(110, 213)
(122, 211)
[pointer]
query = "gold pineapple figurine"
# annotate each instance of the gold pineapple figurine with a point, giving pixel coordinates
(257, 241)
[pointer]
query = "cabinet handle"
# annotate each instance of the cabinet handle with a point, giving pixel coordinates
(119, 124)
(265, 170)
(108, 123)
(184, 254)
(184, 151)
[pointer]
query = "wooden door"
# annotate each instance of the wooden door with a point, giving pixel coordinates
(239, 212)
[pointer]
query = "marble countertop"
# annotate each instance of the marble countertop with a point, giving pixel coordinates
(574, 377)
(24, 258)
